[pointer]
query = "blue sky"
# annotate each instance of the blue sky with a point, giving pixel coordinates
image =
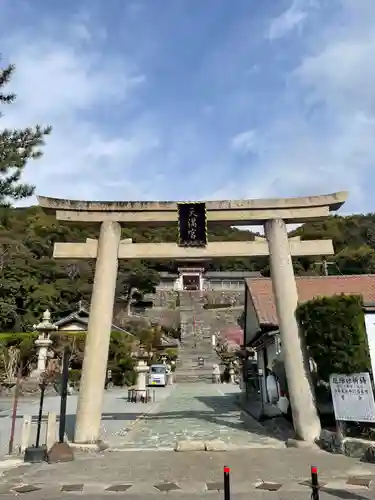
(196, 99)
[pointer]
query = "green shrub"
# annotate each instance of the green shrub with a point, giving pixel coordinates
(335, 334)
(117, 377)
(129, 378)
(75, 376)
(119, 354)
(171, 353)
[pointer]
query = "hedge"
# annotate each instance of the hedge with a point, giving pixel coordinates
(118, 357)
(9, 336)
(218, 305)
(335, 333)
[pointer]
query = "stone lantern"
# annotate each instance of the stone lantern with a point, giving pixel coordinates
(163, 359)
(43, 342)
(231, 374)
(141, 369)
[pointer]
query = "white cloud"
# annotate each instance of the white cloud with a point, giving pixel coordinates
(289, 20)
(326, 141)
(342, 74)
(244, 142)
(299, 131)
(58, 85)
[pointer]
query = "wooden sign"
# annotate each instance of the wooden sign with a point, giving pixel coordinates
(192, 224)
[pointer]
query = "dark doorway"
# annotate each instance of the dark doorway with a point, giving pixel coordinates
(191, 282)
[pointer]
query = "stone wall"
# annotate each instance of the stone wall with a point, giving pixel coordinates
(234, 297)
(215, 319)
(171, 299)
(160, 315)
(362, 449)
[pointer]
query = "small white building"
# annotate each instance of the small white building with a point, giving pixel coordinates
(194, 275)
(261, 330)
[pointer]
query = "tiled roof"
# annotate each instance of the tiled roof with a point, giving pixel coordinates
(82, 316)
(310, 287)
(233, 334)
(231, 274)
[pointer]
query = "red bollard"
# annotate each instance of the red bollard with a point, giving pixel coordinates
(226, 483)
(314, 483)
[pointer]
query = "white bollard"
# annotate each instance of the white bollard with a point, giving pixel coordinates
(51, 430)
(26, 432)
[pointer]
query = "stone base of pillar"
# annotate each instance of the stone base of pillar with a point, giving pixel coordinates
(96, 446)
(59, 453)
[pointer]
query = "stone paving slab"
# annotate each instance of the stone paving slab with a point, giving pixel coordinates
(289, 467)
(142, 475)
(198, 412)
(331, 494)
(124, 489)
(118, 416)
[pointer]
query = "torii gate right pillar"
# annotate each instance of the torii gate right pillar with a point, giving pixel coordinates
(305, 416)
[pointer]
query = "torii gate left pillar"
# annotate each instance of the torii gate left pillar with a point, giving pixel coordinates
(90, 402)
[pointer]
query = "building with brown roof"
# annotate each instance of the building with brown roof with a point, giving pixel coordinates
(261, 323)
(260, 309)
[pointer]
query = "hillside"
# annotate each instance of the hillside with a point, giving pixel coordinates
(31, 280)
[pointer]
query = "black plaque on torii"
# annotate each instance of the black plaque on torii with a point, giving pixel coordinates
(192, 224)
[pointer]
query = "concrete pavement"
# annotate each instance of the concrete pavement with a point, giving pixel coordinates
(191, 474)
(258, 495)
(145, 469)
(198, 412)
(117, 417)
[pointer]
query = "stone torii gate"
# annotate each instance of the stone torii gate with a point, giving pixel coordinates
(273, 214)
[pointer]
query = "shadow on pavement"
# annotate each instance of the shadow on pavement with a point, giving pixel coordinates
(71, 421)
(344, 495)
(219, 410)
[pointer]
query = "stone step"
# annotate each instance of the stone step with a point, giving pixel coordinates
(180, 379)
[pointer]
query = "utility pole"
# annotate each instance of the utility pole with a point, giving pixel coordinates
(325, 266)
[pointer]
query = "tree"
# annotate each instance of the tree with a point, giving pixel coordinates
(136, 281)
(16, 148)
(32, 280)
(356, 261)
(335, 334)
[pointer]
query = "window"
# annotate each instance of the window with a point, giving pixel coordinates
(158, 369)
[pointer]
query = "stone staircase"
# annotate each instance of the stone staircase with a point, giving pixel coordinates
(195, 340)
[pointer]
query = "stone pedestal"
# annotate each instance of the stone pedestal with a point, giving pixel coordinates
(141, 369)
(43, 343)
(305, 416)
(215, 374)
(231, 375)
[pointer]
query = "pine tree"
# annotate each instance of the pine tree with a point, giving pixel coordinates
(16, 148)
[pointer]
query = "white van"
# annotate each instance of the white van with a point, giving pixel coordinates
(158, 375)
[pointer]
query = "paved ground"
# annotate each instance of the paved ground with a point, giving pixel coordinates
(144, 469)
(117, 417)
(191, 474)
(203, 412)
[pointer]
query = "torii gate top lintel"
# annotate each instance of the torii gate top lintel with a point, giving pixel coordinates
(229, 212)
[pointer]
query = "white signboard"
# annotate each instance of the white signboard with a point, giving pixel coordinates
(352, 396)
